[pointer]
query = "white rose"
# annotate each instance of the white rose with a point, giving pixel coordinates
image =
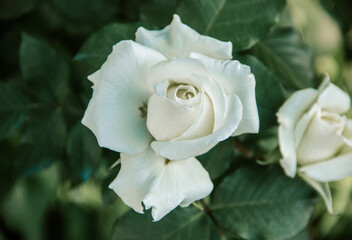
(162, 100)
(315, 140)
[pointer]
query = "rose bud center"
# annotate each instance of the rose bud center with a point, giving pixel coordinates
(181, 110)
(322, 138)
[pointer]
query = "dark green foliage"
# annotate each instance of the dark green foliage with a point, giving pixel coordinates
(158, 13)
(242, 22)
(83, 151)
(284, 53)
(14, 109)
(42, 141)
(182, 224)
(87, 11)
(15, 8)
(45, 68)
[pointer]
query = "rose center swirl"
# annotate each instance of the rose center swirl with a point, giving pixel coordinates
(186, 92)
(183, 93)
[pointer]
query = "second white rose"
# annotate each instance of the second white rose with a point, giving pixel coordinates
(315, 139)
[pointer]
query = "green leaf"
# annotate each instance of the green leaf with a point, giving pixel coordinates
(13, 110)
(99, 45)
(242, 22)
(45, 67)
(108, 195)
(262, 203)
(158, 12)
(269, 92)
(303, 235)
(284, 53)
(181, 224)
(219, 158)
(90, 11)
(15, 8)
(83, 151)
(42, 141)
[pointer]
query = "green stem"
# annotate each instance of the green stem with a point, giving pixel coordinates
(208, 212)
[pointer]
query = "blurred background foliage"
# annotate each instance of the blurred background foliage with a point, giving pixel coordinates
(53, 174)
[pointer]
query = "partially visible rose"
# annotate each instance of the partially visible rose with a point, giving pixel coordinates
(162, 100)
(315, 139)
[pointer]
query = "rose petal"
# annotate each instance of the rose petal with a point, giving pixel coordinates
(218, 97)
(120, 90)
(333, 99)
(303, 123)
(236, 78)
(288, 115)
(347, 133)
(177, 40)
(181, 69)
(178, 150)
(322, 138)
(203, 124)
(331, 170)
(136, 177)
(167, 119)
(180, 183)
(160, 184)
(323, 189)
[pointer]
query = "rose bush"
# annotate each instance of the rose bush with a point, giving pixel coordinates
(315, 140)
(162, 100)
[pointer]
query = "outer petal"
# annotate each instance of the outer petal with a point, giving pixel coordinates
(178, 150)
(331, 170)
(304, 122)
(323, 189)
(333, 99)
(160, 184)
(288, 115)
(178, 40)
(136, 177)
(236, 78)
(120, 90)
(180, 183)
